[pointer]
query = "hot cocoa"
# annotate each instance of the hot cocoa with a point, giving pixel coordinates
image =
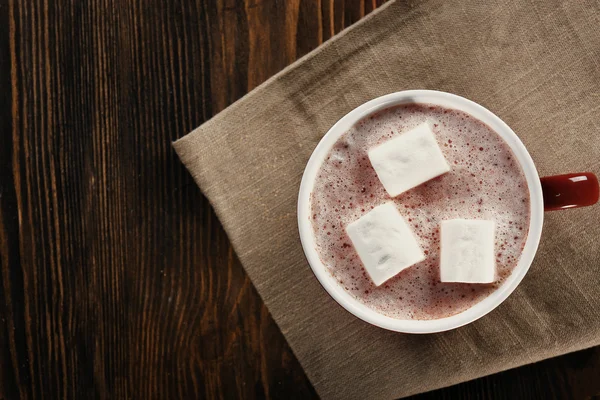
(485, 182)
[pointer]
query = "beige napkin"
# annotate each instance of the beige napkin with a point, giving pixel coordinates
(535, 64)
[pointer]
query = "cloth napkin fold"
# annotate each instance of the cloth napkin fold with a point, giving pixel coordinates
(535, 64)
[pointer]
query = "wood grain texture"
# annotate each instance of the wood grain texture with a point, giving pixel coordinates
(117, 279)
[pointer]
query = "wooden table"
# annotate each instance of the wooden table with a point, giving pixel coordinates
(117, 278)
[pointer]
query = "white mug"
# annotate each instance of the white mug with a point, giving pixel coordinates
(549, 198)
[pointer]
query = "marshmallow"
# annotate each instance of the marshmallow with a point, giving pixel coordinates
(467, 251)
(408, 160)
(384, 242)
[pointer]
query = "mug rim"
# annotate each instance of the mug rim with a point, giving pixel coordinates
(481, 308)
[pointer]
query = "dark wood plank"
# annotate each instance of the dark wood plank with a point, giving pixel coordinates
(117, 279)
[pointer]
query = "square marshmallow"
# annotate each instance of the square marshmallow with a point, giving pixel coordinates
(408, 160)
(467, 251)
(384, 242)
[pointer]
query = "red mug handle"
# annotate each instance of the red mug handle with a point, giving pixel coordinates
(569, 191)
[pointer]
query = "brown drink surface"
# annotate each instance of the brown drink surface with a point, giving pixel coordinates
(485, 182)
